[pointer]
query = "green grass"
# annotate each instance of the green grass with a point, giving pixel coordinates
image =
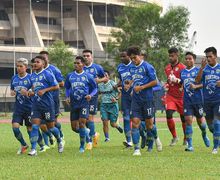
(110, 160)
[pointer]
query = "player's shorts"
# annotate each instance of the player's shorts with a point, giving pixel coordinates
(212, 110)
(142, 110)
(93, 103)
(125, 103)
(44, 114)
(80, 112)
(22, 117)
(172, 103)
(109, 111)
(193, 110)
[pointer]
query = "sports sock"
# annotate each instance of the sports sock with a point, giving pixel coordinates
(45, 137)
(135, 137)
(154, 131)
(127, 129)
(203, 128)
(82, 135)
(211, 127)
(189, 132)
(91, 126)
(184, 129)
(216, 133)
(58, 126)
(171, 126)
(142, 129)
(34, 136)
(18, 136)
(106, 135)
(150, 138)
(56, 133)
(40, 139)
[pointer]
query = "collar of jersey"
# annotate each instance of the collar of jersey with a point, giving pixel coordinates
(191, 68)
(213, 66)
(140, 63)
(79, 73)
(47, 66)
(39, 72)
(90, 65)
(23, 76)
(128, 63)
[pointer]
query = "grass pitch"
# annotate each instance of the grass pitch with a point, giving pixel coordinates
(110, 160)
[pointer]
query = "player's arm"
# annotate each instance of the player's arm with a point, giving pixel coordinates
(92, 87)
(52, 88)
(196, 86)
(145, 86)
(200, 73)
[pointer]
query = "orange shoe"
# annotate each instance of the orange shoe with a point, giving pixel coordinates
(89, 146)
(22, 150)
(95, 139)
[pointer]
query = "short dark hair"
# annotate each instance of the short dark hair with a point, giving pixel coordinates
(44, 52)
(211, 49)
(192, 54)
(81, 58)
(107, 72)
(40, 57)
(32, 60)
(87, 51)
(173, 50)
(133, 50)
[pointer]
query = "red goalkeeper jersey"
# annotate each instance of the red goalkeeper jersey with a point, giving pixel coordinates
(174, 89)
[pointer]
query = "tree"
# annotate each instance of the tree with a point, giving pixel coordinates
(61, 56)
(142, 24)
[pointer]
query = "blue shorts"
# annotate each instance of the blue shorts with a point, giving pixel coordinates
(44, 114)
(193, 110)
(142, 110)
(22, 117)
(109, 111)
(125, 103)
(80, 112)
(212, 110)
(93, 105)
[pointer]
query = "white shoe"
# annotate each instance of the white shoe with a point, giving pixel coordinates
(137, 152)
(33, 152)
(158, 144)
(174, 141)
(214, 151)
(60, 147)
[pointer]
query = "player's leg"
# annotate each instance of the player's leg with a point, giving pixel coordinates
(57, 112)
(94, 136)
(47, 135)
(126, 107)
(201, 123)
(143, 134)
(216, 123)
(113, 116)
(104, 118)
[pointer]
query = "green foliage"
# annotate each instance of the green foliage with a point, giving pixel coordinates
(109, 160)
(143, 25)
(61, 56)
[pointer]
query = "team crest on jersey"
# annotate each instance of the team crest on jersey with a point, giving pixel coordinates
(212, 72)
(40, 78)
(25, 82)
(83, 78)
(140, 70)
(176, 69)
(193, 73)
(91, 70)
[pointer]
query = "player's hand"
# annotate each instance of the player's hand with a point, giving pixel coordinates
(127, 87)
(114, 100)
(41, 92)
(138, 89)
(192, 86)
(67, 100)
(218, 83)
(88, 97)
(24, 92)
(203, 63)
(106, 78)
(13, 93)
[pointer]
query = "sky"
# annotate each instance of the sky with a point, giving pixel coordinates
(204, 18)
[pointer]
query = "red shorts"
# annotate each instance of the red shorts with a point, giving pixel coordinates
(172, 103)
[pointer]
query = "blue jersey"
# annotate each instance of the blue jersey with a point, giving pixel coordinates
(78, 86)
(143, 74)
(57, 74)
(188, 77)
(125, 75)
(22, 103)
(210, 77)
(42, 80)
(95, 70)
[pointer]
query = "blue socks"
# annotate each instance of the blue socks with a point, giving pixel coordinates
(40, 139)
(216, 133)
(91, 126)
(45, 137)
(136, 137)
(106, 135)
(19, 137)
(127, 128)
(82, 135)
(58, 126)
(34, 136)
(203, 128)
(56, 133)
(189, 132)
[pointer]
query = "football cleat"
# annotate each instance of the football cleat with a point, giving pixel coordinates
(158, 144)
(89, 146)
(22, 149)
(174, 141)
(137, 152)
(95, 139)
(33, 152)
